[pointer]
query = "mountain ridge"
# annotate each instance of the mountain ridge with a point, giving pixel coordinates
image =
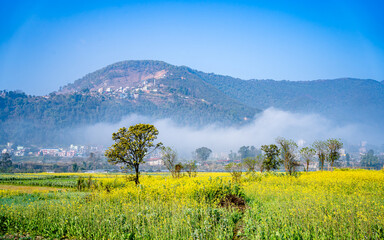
(161, 65)
(315, 96)
(188, 96)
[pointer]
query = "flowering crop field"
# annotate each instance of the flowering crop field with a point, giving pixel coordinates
(316, 205)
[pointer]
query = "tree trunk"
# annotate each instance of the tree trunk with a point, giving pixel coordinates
(307, 166)
(137, 175)
(321, 158)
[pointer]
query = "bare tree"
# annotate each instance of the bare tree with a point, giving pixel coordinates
(307, 155)
(190, 167)
(321, 151)
(169, 157)
(288, 154)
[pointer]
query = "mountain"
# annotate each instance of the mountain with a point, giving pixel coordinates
(160, 84)
(150, 88)
(160, 90)
(344, 100)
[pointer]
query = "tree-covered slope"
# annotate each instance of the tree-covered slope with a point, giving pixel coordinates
(177, 94)
(343, 100)
(160, 90)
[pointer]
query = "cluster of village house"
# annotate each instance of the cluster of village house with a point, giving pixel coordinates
(153, 160)
(71, 151)
(146, 86)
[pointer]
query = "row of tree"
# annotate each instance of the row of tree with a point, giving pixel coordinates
(133, 144)
(286, 152)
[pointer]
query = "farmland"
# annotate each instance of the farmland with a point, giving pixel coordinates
(315, 205)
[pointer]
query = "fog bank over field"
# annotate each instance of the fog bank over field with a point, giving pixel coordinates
(263, 129)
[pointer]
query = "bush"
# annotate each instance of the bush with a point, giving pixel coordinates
(215, 190)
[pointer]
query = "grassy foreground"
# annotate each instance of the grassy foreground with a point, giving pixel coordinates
(318, 205)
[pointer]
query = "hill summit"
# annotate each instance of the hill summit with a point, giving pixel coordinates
(156, 82)
(126, 75)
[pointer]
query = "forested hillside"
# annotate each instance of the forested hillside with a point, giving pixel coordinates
(160, 90)
(48, 120)
(343, 100)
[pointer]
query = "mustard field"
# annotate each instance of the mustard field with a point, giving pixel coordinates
(315, 205)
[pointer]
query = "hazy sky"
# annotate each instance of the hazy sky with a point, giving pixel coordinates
(47, 44)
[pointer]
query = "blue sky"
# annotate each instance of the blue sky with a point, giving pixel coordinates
(47, 44)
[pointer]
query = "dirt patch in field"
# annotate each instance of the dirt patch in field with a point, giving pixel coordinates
(233, 201)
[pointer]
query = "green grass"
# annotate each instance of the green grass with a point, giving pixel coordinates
(319, 205)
